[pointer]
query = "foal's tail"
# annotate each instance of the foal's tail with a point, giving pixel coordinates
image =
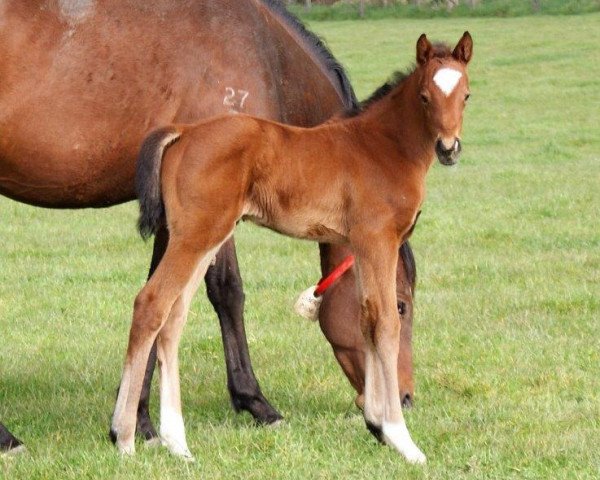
(147, 179)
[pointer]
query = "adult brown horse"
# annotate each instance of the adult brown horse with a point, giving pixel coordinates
(82, 82)
(230, 168)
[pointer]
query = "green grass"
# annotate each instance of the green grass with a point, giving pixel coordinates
(506, 327)
(349, 10)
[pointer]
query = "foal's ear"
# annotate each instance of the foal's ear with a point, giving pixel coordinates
(424, 49)
(464, 49)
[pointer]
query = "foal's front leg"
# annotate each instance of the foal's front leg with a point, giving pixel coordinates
(380, 324)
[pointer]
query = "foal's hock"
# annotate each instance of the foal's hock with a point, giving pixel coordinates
(358, 180)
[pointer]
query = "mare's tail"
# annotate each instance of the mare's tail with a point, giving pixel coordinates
(147, 179)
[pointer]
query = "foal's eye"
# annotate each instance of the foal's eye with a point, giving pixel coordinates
(467, 96)
(424, 98)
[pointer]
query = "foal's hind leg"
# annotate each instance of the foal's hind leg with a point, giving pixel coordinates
(144, 427)
(151, 309)
(172, 429)
(224, 289)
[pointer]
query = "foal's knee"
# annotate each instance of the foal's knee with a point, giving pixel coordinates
(369, 319)
(378, 323)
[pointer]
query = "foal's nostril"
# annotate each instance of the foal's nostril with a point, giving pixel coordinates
(407, 401)
(448, 156)
(445, 149)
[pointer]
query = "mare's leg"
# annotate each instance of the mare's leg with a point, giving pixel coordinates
(224, 288)
(151, 309)
(380, 324)
(8, 442)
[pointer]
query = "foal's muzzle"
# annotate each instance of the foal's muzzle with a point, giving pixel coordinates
(448, 156)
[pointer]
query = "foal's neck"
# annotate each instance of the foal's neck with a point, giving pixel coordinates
(398, 119)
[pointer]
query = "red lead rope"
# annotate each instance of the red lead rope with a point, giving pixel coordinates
(337, 272)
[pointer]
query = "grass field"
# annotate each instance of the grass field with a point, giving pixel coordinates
(349, 10)
(506, 329)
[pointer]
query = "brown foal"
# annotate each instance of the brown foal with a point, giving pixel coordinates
(357, 180)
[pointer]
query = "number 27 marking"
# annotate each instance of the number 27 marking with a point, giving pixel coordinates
(235, 98)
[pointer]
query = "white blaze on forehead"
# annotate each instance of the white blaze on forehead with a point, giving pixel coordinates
(446, 79)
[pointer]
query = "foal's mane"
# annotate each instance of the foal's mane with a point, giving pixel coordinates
(317, 45)
(440, 50)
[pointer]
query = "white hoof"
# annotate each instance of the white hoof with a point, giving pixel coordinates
(126, 448)
(172, 433)
(178, 448)
(21, 449)
(396, 435)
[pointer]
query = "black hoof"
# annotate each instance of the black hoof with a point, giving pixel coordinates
(407, 401)
(375, 431)
(269, 419)
(113, 436)
(8, 442)
(258, 407)
(144, 427)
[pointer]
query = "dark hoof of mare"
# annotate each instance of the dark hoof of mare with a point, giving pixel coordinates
(407, 401)
(144, 427)
(258, 407)
(9, 444)
(375, 431)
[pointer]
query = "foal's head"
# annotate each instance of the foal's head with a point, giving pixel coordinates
(443, 92)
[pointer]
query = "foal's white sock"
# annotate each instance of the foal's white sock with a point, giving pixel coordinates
(172, 433)
(396, 435)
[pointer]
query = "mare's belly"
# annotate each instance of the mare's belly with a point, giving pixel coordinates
(76, 181)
